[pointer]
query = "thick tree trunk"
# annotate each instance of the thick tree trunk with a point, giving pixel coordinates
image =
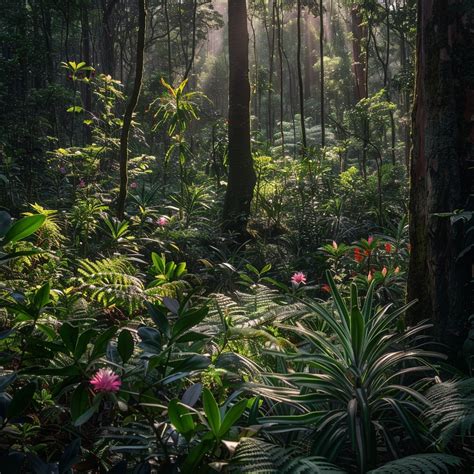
(441, 168)
(242, 178)
(132, 103)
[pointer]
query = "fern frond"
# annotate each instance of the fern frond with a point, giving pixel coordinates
(110, 282)
(254, 456)
(452, 409)
(421, 464)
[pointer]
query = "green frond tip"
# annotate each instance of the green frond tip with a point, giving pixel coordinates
(254, 456)
(422, 464)
(451, 411)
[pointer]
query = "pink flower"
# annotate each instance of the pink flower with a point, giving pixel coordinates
(162, 221)
(384, 271)
(370, 277)
(397, 270)
(82, 183)
(370, 240)
(105, 380)
(134, 185)
(298, 278)
(334, 245)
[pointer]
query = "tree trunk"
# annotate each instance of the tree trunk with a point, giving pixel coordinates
(86, 56)
(321, 59)
(300, 79)
(132, 103)
(242, 177)
(108, 44)
(441, 169)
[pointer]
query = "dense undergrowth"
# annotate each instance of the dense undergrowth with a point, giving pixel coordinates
(158, 344)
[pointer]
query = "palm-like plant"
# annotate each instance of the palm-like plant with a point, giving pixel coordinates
(351, 387)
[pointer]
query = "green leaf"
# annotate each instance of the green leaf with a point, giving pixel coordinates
(21, 400)
(82, 343)
(231, 417)
(189, 364)
(195, 456)
(75, 109)
(42, 296)
(69, 334)
(79, 402)
(181, 418)
(158, 317)
(125, 345)
(101, 342)
(87, 415)
(23, 228)
(211, 409)
(189, 320)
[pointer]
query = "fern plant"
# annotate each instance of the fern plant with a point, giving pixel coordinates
(253, 456)
(110, 282)
(422, 463)
(451, 411)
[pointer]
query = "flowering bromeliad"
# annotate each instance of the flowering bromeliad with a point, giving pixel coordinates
(106, 380)
(298, 278)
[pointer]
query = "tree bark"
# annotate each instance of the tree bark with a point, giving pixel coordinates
(132, 103)
(321, 59)
(300, 79)
(242, 177)
(441, 168)
(108, 41)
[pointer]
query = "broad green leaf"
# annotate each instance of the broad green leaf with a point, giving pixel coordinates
(69, 335)
(211, 409)
(101, 342)
(189, 320)
(23, 228)
(42, 296)
(181, 418)
(231, 417)
(79, 402)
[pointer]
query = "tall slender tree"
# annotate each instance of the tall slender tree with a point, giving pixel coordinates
(300, 76)
(442, 168)
(131, 105)
(242, 179)
(321, 62)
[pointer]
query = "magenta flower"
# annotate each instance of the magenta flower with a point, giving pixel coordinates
(298, 278)
(370, 240)
(82, 183)
(134, 185)
(106, 380)
(162, 221)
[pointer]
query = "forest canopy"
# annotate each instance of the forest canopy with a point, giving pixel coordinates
(236, 236)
